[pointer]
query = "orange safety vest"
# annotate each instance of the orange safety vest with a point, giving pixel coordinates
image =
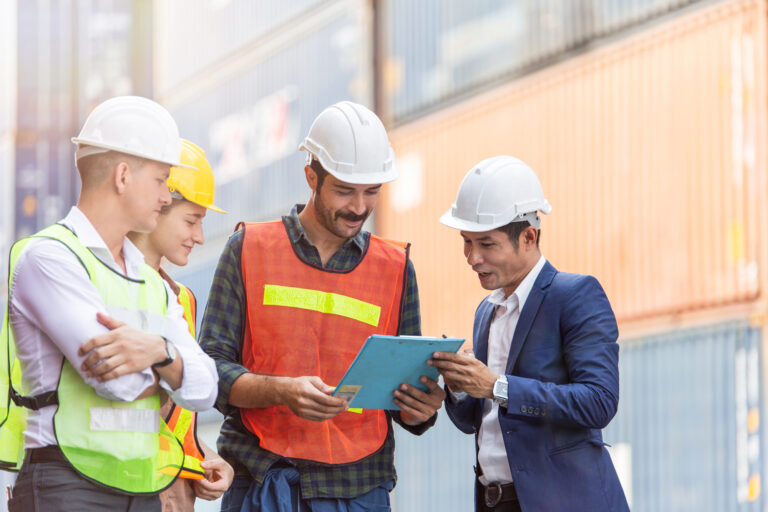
(183, 422)
(307, 321)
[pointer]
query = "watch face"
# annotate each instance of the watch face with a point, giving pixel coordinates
(500, 390)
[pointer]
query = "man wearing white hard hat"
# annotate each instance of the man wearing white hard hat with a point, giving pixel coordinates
(94, 336)
(288, 312)
(542, 379)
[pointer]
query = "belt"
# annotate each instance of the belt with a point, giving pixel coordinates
(46, 454)
(495, 493)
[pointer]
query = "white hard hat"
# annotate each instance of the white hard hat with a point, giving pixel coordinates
(494, 193)
(350, 142)
(132, 125)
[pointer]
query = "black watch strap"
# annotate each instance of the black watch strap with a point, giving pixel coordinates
(170, 351)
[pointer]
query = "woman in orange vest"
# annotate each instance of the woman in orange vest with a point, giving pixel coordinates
(179, 227)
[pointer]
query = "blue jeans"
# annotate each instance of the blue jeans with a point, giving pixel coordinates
(280, 493)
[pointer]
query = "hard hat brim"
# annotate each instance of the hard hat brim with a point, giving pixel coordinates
(353, 178)
(372, 178)
(447, 219)
(213, 208)
(171, 162)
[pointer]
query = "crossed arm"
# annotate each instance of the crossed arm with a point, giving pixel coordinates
(113, 358)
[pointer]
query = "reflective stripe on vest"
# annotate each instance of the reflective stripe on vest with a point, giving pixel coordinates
(183, 422)
(322, 302)
(302, 320)
(184, 425)
(125, 446)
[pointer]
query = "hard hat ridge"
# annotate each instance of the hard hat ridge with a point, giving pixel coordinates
(351, 143)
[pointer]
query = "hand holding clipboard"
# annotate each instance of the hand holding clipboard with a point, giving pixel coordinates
(386, 362)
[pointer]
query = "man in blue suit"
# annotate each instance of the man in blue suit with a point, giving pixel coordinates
(542, 379)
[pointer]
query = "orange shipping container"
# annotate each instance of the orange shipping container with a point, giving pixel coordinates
(650, 150)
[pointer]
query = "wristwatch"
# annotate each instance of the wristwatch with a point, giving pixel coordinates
(500, 395)
(171, 350)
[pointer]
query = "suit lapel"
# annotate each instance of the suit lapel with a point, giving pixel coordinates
(483, 327)
(531, 307)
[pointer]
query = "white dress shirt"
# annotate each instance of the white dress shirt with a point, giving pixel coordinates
(492, 454)
(52, 308)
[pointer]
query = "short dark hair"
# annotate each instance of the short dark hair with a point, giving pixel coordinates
(513, 231)
(319, 171)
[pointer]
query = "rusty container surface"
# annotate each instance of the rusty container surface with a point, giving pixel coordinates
(649, 149)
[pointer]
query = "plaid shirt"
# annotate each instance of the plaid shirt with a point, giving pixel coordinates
(221, 337)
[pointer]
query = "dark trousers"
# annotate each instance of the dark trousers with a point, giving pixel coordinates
(509, 506)
(54, 486)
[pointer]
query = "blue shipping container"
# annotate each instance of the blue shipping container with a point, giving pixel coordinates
(687, 435)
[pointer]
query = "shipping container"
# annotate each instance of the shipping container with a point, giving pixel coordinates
(70, 56)
(251, 120)
(434, 51)
(6, 207)
(44, 172)
(434, 469)
(8, 72)
(197, 34)
(112, 50)
(8, 77)
(688, 435)
(648, 149)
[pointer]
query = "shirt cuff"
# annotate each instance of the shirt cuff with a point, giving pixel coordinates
(456, 398)
(198, 386)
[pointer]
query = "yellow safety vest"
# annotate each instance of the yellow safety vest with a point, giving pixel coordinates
(125, 446)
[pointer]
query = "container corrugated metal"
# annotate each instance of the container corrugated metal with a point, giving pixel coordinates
(434, 470)
(435, 50)
(251, 121)
(8, 63)
(8, 77)
(112, 52)
(44, 177)
(198, 33)
(6, 209)
(649, 151)
(82, 53)
(687, 436)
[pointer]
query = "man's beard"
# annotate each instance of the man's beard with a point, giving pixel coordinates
(324, 214)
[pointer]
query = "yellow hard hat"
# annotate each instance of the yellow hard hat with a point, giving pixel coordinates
(196, 185)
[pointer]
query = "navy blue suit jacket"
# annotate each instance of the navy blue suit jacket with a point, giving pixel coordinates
(563, 382)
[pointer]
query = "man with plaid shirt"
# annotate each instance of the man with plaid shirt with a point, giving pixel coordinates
(293, 445)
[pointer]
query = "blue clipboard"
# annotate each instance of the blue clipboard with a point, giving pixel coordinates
(385, 362)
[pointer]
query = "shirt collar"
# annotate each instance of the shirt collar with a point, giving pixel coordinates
(296, 231)
(89, 237)
(520, 295)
